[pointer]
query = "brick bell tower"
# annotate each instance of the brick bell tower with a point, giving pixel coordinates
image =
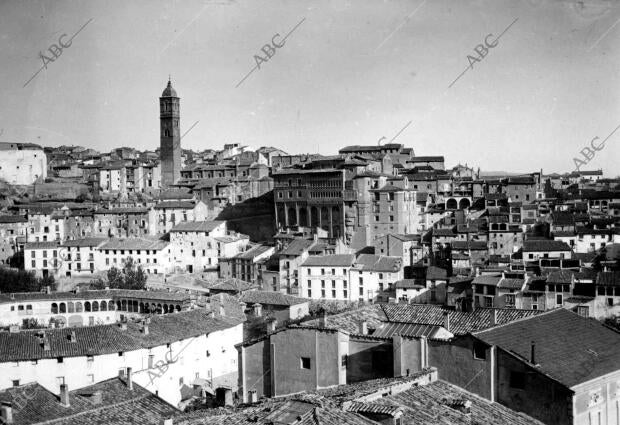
(170, 140)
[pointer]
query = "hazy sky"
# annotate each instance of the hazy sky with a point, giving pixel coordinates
(351, 73)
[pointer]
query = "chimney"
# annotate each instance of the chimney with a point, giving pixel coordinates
(271, 325)
(14, 329)
(129, 379)
(323, 319)
(48, 289)
(123, 326)
(363, 327)
(533, 353)
(96, 398)
(446, 321)
(145, 328)
(64, 395)
(222, 311)
(258, 309)
(46, 343)
(72, 337)
(167, 421)
(211, 314)
(7, 413)
(494, 317)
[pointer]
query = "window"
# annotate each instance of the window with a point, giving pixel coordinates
(305, 362)
(59, 359)
(517, 380)
(610, 302)
(343, 360)
(16, 382)
(480, 350)
(488, 302)
(510, 300)
(558, 299)
(334, 294)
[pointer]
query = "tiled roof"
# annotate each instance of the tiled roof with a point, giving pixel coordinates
(135, 243)
(407, 329)
(511, 283)
(469, 245)
(568, 347)
(460, 322)
(175, 204)
(608, 278)
(487, 280)
(409, 284)
(443, 232)
(106, 339)
(434, 404)
(297, 247)
(545, 245)
(197, 226)
(337, 260)
(124, 210)
(271, 298)
(12, 219)
(84, 242)
(349, 320)
(42, 245)
(119, 405)
(94, 295)
(253, 252)
(232, 285)
(560, 276)
(378, 263)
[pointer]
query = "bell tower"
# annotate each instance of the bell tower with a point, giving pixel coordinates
(170, 136)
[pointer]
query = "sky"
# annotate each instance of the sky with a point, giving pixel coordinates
(350, 72)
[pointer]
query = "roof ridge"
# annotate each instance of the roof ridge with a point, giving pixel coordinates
(520, 319)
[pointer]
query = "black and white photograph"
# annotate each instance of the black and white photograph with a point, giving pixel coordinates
(310, 212)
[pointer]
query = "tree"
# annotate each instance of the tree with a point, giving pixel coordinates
(131, 276)
(12, 280)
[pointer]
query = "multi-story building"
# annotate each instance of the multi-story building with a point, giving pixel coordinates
(327, 277)
(42, 258)
(374, 277)
(77, 257)
(245, 265)
(171, 213)
(153, 255)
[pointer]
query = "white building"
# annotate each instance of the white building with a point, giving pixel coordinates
(22, 163)
(153, 255)
(197, 245)
(163, 355)
(42, 258)
(374, 277)
(171, 213)
(327, 278)
(78, 256)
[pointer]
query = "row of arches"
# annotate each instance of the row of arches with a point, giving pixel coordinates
(325, 217)
(453, 204)
(78, 307)
(131, 306)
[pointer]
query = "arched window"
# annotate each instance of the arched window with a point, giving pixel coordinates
(159, 309)
(103, 306)
(70, 307)
(178, 308)
(63, 307)
(54, 308)
(111, 305)
(95, 306)
(165, 308)
(118, 305)
(141, 308)
(135, 306)
(78, 307)
(170, 308)
(87, 306)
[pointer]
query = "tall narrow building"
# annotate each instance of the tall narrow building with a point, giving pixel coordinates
(170, 145)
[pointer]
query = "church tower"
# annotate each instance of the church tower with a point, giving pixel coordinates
(170, 140)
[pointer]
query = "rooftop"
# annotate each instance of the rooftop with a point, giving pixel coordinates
(197, 226)
(569, 348)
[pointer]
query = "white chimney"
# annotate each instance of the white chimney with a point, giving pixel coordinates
(64, 395)
(363, 327)
(446, 321)
(129, 379)
(7, 413)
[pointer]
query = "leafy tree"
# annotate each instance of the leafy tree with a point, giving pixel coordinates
(131, 276)
(12, 280)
